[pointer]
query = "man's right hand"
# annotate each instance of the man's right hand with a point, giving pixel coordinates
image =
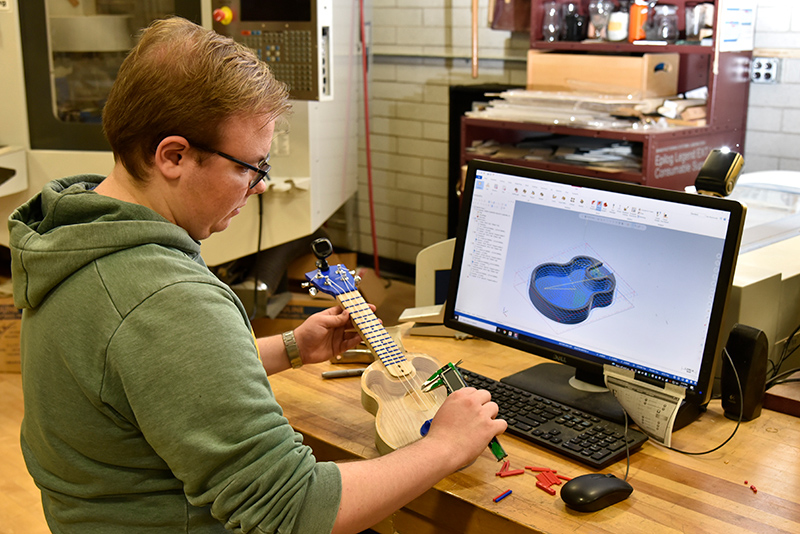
(466, 423)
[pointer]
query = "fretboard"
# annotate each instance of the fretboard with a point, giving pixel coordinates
(375, 335)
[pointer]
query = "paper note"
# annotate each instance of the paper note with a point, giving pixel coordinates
(736, 25)
(652, 408)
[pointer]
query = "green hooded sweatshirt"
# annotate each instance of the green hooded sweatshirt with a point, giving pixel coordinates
(147, 409)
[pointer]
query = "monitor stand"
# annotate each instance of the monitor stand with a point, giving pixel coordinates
(564, 384)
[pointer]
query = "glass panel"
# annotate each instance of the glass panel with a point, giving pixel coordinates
(89, 39)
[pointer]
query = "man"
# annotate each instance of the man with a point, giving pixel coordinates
(147, 403)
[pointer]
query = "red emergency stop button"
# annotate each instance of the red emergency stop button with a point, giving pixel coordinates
(223, 15)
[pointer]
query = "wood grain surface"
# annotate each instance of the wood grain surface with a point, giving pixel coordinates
(673, 492)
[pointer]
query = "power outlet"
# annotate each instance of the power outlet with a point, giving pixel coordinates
(765, 69)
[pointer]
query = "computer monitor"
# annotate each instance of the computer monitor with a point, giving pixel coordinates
(591, 272)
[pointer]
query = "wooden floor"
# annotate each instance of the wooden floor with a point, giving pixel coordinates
(20, 505)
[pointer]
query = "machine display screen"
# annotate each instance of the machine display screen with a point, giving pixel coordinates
(258, 10)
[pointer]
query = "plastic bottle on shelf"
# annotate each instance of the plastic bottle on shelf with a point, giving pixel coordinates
(617, 29)
(638, 18)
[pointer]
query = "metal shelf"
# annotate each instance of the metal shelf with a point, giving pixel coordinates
(623, 47)
(670, 157)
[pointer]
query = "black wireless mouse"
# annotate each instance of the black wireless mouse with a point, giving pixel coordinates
(595, 491)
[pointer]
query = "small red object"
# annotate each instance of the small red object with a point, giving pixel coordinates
(745, 482)
(551, 478)
(512, 472)
(503, 469)
(546, 477)
(752, 487)
(547, 489)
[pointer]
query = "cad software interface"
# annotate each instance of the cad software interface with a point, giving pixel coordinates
(617, 278)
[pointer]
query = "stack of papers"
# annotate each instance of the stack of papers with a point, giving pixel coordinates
(580, 110)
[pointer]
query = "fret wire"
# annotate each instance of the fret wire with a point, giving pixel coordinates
(382, 344)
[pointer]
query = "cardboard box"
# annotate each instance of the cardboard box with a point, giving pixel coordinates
(646, 76)
(10, 321)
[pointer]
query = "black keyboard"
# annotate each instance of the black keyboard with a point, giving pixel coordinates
(572, 433)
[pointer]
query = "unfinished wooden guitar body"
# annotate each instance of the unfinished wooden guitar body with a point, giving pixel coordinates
(391, 387)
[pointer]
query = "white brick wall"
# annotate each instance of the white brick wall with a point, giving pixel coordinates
(773, 118)
(420, 49)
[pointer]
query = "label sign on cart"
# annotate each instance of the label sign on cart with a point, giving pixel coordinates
(683, 158)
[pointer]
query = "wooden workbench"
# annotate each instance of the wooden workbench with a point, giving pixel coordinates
(673, 492)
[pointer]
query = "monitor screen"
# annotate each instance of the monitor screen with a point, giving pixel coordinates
(294, 11)
(590, 272)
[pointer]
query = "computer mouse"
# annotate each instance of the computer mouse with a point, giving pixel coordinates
(595, 491)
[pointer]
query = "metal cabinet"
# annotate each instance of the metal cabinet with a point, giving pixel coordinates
(670, 158)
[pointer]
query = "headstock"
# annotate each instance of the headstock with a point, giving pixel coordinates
(334, 281)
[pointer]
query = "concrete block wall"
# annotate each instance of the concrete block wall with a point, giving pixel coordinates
(421, 47)
(773, 121)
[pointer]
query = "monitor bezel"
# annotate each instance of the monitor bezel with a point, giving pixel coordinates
(586, 365)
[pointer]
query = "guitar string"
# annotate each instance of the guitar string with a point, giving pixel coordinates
(412, 386)
(404, 418)
(572, 283)
(393, 357)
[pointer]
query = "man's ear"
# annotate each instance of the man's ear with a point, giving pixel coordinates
(171, 156)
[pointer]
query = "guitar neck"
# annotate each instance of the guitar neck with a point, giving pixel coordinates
(375, 335)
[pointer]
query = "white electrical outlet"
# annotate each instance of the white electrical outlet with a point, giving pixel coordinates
(765, 69)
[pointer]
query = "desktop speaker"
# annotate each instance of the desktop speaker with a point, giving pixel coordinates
(748, 348)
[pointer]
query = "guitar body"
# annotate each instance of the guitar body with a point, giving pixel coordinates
(399, 406)
(391, 387)
(567, 292)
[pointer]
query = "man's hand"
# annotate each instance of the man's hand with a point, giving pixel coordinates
(326, 334)
(465, 423)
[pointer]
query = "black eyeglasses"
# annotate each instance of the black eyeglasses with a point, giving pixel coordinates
(261, 170)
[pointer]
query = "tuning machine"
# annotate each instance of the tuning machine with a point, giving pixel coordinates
(311, 289)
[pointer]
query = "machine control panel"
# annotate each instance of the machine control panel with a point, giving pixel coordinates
(293, 38)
